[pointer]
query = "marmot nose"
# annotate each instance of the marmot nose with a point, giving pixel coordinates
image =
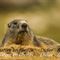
(24, 25)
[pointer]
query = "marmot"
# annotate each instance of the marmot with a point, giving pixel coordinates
(20, 33)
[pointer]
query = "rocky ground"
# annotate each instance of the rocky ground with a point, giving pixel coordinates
(27, 52)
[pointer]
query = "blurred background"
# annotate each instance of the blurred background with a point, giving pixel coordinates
(43, 16)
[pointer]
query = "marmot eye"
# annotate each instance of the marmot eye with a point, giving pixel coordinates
(15, 23)
(9, 25)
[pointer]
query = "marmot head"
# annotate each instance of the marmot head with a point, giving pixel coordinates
(20, 26)
(20, 30)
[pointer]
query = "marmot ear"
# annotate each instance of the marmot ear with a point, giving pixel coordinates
(9, 25)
